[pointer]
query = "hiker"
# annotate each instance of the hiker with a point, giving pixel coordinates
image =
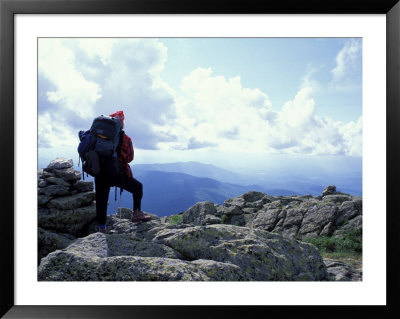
(117, 172)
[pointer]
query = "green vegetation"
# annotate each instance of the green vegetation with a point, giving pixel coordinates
(175, 219)
(224, 219)
(348, 244)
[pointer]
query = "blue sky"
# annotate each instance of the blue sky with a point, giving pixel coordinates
(205, 99)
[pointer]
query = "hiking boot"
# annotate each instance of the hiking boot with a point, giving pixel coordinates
(138, 216)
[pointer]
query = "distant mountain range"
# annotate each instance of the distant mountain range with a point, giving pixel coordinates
(167, 193)
(174, 187)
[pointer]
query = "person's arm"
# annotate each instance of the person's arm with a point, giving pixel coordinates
(127, 152)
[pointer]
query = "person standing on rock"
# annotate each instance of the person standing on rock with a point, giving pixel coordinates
(118, 173)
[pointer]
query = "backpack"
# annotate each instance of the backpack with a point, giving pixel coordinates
(99, 142)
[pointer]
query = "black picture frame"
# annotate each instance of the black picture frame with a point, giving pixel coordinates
(8, 10)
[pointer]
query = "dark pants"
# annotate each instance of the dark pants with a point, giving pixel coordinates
(112, 175)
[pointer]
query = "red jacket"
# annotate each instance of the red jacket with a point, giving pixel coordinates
(127, 153)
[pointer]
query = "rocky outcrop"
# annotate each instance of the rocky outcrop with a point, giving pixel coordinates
(163, 252)
(49, 241)
(294, 216)
(252, 237)
(66, 205)
(340, 271)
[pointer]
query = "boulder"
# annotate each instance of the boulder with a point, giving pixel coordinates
(54, 190)
(329, 190)
(266, 219)
(215, 252)
(49, 241)
(71, 221)
(340, 271)
(57, 181)
(72, 202)
(59, 163)
(42, 183)
(253, 196)
(352, 225)
(337, 199)
(317, 217)
(348, 210)
(83, 186)
(259, 254)
(202, 213)
(68, 174)
(101, 257)
(43, 200)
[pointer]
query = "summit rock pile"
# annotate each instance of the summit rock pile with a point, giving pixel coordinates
(66, 205)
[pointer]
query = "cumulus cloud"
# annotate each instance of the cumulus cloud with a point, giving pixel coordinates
(220, 113)
(82, 78)
(90, 77)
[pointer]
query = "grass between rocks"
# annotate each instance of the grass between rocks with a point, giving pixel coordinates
(346, 247)
(175, 219)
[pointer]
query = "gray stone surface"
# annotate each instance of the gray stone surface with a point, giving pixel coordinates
(60, 163)
(72, 202)
(83, 186)
(71, 221)
(215, 252)
(54, 190)
(49, 241)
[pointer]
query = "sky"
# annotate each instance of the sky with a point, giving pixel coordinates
(225, 101)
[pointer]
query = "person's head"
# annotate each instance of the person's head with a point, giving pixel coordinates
(120, 116)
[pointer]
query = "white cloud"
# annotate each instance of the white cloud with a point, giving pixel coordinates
(219, 113)
(73, 92)
(90, 77)
(347, 59)
(79, 79)
(51, 134)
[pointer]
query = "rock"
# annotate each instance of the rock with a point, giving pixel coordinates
(352, 225)
(119, 257)
(215, 252)
(71, 221)
(57, 181)
(68, 174)
(327, 230)
(317, 217)
(231, 210)
(83, 186)
(340, 271)
(259, 254)
(72, 202)
(43, 200)
(54, 190)
(64, 266)
(289, 231)
(338, 199)
(266, 219)
(250, 237)
(331, 189)
(59, 163)
(348, 210)
(47, 174)
(201, 214)
(253, 196)
(49, 241)
(42, 183)
(236, 201)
